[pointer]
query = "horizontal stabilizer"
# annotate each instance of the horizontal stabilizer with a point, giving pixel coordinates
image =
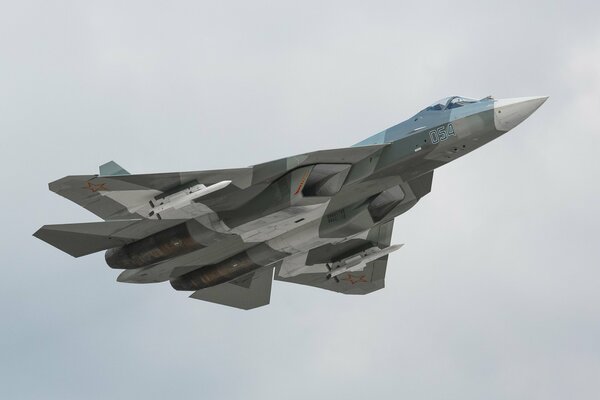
(87, 238)
(248, 292)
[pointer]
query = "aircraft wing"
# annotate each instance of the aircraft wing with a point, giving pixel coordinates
(362, 281)
(117, 197)
(90, 237)
(254, 290)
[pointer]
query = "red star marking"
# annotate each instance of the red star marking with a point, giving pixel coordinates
(95, 187)
(352, 279)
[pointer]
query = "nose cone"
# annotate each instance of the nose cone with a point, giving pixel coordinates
(509, 113)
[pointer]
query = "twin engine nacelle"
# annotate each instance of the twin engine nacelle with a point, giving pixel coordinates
(180, 240)
(216, 274)
(161, 246)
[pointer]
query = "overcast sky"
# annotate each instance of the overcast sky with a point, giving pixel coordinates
(496, 292)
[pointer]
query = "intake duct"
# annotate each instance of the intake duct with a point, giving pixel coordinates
(385, 202)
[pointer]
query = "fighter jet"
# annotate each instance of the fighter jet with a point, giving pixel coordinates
(321, 219)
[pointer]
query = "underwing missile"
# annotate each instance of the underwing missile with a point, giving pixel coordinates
(358, 261)
(185, 197)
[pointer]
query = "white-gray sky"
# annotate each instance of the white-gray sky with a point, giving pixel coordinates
(496, 293)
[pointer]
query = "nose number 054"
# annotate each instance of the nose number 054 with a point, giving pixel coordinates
(442, 133)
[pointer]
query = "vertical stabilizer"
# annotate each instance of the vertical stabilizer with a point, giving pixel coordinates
(111, 168)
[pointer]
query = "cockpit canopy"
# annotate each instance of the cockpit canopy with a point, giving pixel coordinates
(449, 103)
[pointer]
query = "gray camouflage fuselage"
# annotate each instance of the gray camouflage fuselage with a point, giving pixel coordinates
(322, 218)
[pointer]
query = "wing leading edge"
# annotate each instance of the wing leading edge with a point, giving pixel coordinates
(90, 237)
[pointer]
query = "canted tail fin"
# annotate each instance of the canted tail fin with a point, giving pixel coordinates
(111, 168)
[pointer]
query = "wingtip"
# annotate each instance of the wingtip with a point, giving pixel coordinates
(36, 234)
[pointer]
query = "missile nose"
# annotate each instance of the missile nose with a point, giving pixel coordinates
(509, 113)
